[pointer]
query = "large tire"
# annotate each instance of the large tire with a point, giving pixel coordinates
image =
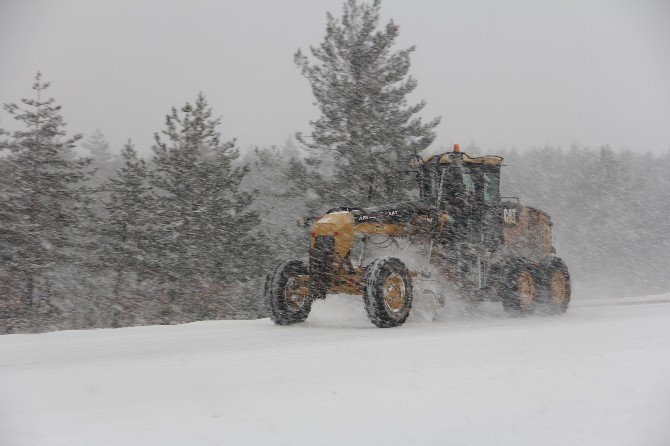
(287, 300)
(387, 292)
(555, 288)
(519, 287)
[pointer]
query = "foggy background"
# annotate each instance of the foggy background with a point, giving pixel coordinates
(513, 74)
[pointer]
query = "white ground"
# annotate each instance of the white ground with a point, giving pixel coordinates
(597, 375)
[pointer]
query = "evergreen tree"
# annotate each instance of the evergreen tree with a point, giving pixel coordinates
(98, 147)
(102, 161)
(206, 229)
(130, 210)
(366, 125)
(42, 201)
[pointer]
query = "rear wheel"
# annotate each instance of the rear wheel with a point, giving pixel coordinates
(388, 292)
(287, 293)
(555, 288)
(519, 287)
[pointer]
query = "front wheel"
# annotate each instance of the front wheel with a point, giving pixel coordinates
(287, 293)
(388, 292)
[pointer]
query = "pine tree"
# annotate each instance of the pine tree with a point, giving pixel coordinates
(102, 161)
(206, 229)
(42, 201)
(98, 147)
(130, 209)
(366, 125)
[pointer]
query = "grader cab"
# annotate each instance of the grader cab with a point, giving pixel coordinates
(467, 237)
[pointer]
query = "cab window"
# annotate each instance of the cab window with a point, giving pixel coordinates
(491, 188)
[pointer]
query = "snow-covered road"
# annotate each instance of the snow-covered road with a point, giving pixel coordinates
(598, 375)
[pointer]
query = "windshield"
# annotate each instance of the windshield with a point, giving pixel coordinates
(459, 183)
(430, 183)
(463, 184)
(492, 187)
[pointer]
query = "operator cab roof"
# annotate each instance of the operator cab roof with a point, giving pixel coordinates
(448, 158)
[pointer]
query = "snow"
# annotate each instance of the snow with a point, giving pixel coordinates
(597, 375)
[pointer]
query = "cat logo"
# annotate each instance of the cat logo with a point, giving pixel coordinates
(509, 216)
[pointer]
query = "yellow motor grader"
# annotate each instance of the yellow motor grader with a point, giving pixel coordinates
(467, 236)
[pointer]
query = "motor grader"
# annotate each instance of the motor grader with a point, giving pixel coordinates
(469, 237)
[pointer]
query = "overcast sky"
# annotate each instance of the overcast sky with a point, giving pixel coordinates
(504, 74)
